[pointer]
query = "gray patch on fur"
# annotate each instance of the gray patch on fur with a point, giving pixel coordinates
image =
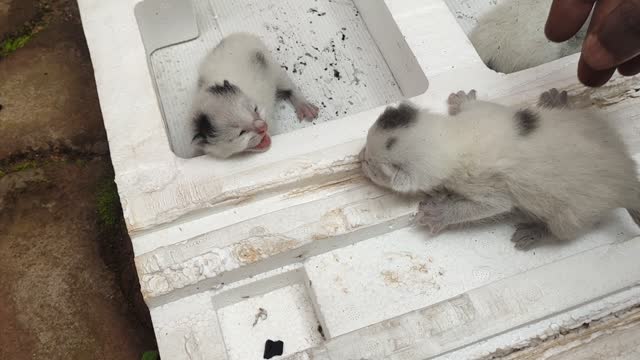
(283, 94)
(260, 59)
(204, 128)
(200, 83)
(225, 89)
(526, 121)
(390, 142)
(393, 118)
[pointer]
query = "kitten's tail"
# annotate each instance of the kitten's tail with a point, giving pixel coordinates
(635, 215)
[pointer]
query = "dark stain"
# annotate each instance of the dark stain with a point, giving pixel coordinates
(273, 348)
(225, 89)
(203, 128)
(336, 74)
(390, 142)
(260, 59)
(1, 107)
(526, 121)
(283, 94)
(200, 83)
(393, 118)
(321, 331)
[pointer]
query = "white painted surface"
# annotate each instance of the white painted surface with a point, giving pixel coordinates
(208, 233)
(288, 316)
(405, 270)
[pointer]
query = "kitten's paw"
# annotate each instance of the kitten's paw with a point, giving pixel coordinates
(527, 235)
(432, 214)
(456, 100)
(306, 110)
(553, 99)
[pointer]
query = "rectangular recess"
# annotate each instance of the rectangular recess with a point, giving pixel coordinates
(347, 56)
(278, 308)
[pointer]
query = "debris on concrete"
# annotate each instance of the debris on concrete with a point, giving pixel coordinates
(261, 315)
(273, 348)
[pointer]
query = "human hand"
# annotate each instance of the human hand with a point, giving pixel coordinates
(612, 41)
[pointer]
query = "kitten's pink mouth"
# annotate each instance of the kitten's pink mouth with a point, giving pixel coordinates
(264, 145)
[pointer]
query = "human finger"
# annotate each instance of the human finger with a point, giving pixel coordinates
(614, 35)
(566, 17)
(631, 67)
(591, 77)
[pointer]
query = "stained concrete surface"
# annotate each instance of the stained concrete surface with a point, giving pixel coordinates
(68, 289)
(47, 89)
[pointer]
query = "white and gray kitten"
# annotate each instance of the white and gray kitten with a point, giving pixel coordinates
(510, 37)
(556, 170)
(238, 85)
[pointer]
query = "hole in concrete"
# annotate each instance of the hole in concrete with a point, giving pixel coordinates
(500, 42)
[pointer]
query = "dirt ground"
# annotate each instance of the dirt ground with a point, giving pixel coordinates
(68, 288)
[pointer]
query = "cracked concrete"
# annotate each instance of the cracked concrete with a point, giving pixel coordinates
(68, 289)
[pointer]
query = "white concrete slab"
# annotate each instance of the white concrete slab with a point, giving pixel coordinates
(299, 225)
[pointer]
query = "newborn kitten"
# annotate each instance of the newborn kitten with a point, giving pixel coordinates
(238, 86)
(556, 169)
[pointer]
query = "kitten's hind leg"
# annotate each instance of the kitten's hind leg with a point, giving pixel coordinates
(553, 99)
(457, 100)
(286, 90)
(527, 234)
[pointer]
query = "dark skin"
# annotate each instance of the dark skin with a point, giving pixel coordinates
(613, 37)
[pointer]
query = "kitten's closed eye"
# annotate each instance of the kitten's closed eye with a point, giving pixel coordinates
(242, 132)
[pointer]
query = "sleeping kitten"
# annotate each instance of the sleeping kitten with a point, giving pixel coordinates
(557, 169)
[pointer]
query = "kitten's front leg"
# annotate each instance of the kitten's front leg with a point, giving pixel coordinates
(286, 90)
(442, 209)
(432, 212)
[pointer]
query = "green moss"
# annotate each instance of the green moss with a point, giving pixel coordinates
(25, 165)
(108, 204)
(12, 44)
(150, 355)
(2, 174)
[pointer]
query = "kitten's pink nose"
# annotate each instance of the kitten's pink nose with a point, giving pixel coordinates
(261, 126)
